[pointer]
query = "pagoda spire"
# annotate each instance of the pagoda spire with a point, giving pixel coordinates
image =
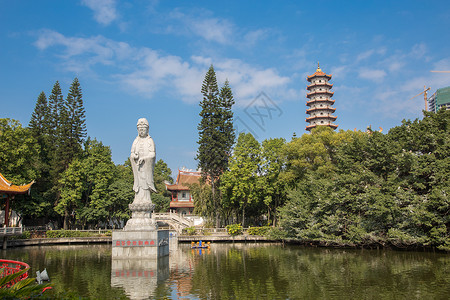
(319, 100)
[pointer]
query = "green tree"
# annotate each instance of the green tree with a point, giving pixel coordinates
(19, 163)
(73, 186)
(55, 106)
(240, 184)
(98, 207)
(273, 182)
(72, 125)
(161, 175)
(121, 193)
(372, 188)
(40, 127)
(19, 153)
(216, 134)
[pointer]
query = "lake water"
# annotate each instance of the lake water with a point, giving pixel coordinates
(242, 271)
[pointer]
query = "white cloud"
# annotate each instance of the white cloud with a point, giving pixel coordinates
(104, 10)
(211, 29)
(372, 74)
(223, 31)
(146, 71)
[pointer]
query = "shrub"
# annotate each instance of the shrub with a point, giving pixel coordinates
(24, 235)
(234, 229)
(68, 233)
(189, 230)
(262, 231)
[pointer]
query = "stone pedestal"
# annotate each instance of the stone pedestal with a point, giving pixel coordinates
(141, 217)
(143, 244)
(140, 238)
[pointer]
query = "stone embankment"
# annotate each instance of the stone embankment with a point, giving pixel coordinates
(58, 241)
(219, 238)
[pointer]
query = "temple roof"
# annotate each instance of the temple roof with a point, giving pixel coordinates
(6, 187)
(184, 179)
(309, 127)
(318, 73)
(179, 204)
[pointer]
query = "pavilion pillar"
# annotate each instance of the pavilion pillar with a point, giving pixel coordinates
(7, 211)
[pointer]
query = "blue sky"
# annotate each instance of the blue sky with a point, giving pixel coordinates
(148, 59)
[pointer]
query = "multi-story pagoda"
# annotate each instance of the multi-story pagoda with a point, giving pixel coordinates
(319, 101)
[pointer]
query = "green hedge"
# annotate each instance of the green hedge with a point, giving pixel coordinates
(262, 231)
(189, 230)
(234, 229)
(72, 233)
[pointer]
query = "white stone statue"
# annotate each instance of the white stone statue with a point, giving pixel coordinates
(142, 160)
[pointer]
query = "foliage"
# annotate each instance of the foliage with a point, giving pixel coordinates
(234, 229)
(19, 152)
(22, 289)
(273, 183)
(201, 192)
(161, 175)
(240, 184)
(362, 188)
(189, 230)
(262, 231)
(120, 193)
(72, 233)
(25, 235)
(216, 134)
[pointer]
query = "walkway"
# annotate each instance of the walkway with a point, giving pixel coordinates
(176, 221)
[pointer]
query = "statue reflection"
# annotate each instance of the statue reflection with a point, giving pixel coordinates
(139, 278)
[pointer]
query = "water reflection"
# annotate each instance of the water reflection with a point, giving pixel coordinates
(242, 271)
(139, 278)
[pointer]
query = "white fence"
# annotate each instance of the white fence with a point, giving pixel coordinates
(10, 231)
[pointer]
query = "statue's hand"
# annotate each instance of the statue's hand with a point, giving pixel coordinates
(141, 160)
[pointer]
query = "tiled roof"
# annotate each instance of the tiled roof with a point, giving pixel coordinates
(321, 117)
(184, 179)
(6, 187)
(175, 204)
(308, 95)
(318, 73)
(309, 87)
(308, 111)
(320, 100)
(309, 127)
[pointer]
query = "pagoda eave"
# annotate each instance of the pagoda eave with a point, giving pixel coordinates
(317, 75)
(308, 95)
(319, 100)
(321, 117)
(310, 127)
(325, 84)
(327, 108)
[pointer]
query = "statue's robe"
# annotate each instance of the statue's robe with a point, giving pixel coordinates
(143, 173)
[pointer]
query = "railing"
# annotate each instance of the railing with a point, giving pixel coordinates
(175, 217)
(9, 267)
(10, 231)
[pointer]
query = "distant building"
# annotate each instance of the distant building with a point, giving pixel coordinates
(441, 98)
(319, 101)
(182, 201)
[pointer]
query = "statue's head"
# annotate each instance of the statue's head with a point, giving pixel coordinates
(142, 127)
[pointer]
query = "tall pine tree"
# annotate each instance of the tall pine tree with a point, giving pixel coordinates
(72, 124)
(216, 135)
(55, 105)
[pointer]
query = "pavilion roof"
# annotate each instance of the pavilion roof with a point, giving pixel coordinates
(184, 179)
(6, 187)
(318, 73)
